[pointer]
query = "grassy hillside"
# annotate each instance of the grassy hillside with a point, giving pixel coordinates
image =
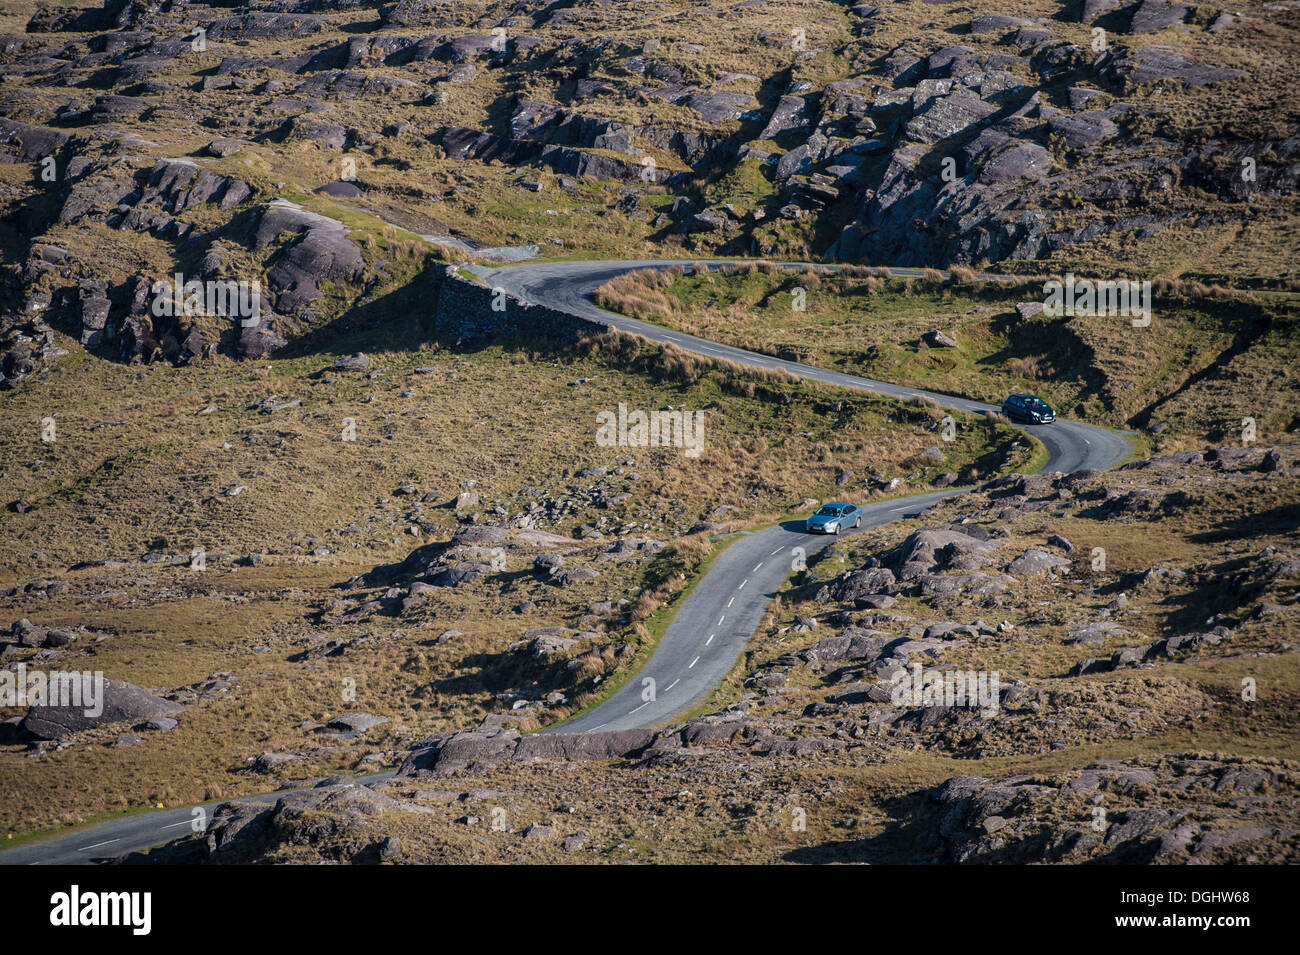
(152, 462)
(1206, 361)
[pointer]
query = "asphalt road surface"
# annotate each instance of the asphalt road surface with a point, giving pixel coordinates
(117, 837)
(717, 619)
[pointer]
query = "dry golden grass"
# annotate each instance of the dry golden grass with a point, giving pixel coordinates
(723, 802)
(1222, 352)
(138, 468)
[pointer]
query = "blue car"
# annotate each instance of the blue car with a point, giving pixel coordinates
(833, 517)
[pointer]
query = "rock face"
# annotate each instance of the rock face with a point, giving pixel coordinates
(544, 642)
(939, 549)
(322, 253)
(1084, 130)
(1033, 562)
(1133, 68)
(20, 142)
(944, 117)
(925, 154)
(180, 184)
(224, 146)
(991, 23)
(121, 701)
(491, 746)
(265, 26)
(338, 816)
(1013, 820)
(720, 107)
(858, 583)
(168, 200)
(1152, 15)
(122, 321)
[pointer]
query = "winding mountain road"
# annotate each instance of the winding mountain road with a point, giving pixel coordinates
(717, 619)
(715, 622)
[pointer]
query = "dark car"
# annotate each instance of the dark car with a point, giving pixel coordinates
(1028, 408)
(833, 517)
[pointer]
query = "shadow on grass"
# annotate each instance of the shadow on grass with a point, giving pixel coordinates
(1284, 519)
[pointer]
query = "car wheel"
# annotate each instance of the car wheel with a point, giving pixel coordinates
(837, 530)
(858, 522)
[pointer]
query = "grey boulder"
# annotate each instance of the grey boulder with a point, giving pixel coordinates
(121, 701)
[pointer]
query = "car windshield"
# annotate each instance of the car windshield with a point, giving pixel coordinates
(1037, 404)
(828, 511)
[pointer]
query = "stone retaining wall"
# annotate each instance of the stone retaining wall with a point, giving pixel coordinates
(465, 310)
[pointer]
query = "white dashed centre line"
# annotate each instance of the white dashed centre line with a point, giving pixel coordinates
(777, 551)
(756, 566)
(98, 844)
(731, 601)
(742, 584)
(184, 822)
(673, 684)
(693, 662)
(641, 707)
(722, 618)
(710, 640)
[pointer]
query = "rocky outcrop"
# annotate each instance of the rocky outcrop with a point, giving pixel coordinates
(488, 747)
(256, 25)
(929, 153)
(20, 142)
(1135, 68)
(934, 549)
(321, 252)
(338, 817)
(121, 701)
(1144, 816)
